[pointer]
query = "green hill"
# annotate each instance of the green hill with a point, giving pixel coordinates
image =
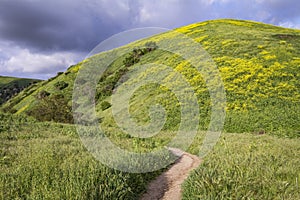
(258, 63)
(10, 86)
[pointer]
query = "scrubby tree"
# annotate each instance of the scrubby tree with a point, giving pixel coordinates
(105, 105)
(43, 94)
(151, 46)
(61, 85)
(52, 108)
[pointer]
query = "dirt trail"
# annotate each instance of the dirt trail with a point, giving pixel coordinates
(168, 185)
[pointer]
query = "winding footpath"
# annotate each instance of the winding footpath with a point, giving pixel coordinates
(168, 185)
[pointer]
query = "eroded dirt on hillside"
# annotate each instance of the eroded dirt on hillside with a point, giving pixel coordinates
(168, 185)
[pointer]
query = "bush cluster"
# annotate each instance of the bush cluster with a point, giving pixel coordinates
(136, 54)
(105, 105)
(61, 85)
(52, 108)
(109, 80)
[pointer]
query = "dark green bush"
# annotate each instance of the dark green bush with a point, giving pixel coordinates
(43, 94)
(130, 60)
(136, 54)
(151, 46)
(105, 105)
(61, 85)
(52, 108)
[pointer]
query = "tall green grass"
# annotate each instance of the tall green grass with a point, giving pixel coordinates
(48, 161)
(248, 166)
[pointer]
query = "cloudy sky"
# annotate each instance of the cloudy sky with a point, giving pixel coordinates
(39, 38)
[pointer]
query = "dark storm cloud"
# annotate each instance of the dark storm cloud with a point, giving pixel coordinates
(40, 36)
(80, 25)
(55, 25)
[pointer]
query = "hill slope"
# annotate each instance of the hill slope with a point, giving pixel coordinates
(10, 86)
(258, 63)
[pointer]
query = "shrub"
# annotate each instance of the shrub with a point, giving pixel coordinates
(151, 46)
(105, 105)
(43, 94)
(52, 108)
(136, 54)
(61, 85)
(129, 61)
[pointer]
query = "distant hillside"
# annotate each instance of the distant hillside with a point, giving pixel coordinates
(259, 64)
(10, 86)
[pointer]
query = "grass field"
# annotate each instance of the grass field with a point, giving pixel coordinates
(248, 166)
(48, 161)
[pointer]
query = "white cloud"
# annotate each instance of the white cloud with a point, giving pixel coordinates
(289, 24)
(36, 63)
(39, 65)
(145, 15)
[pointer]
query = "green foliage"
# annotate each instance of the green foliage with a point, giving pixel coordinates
(52, 108)
(43, 94)
(61, 85)
(59, 73)
(151, 46)
(10, 123)
(130, 60)
(105, 105)
(136, 54)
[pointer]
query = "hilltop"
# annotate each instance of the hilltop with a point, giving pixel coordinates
(11, 86)
(258, 63)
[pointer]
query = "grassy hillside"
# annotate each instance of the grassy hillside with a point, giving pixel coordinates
(259, 65)
(10, 86)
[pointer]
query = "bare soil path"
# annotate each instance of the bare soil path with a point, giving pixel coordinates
(168, 185)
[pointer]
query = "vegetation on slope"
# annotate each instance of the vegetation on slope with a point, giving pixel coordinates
(10, 87)
(259, 65)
